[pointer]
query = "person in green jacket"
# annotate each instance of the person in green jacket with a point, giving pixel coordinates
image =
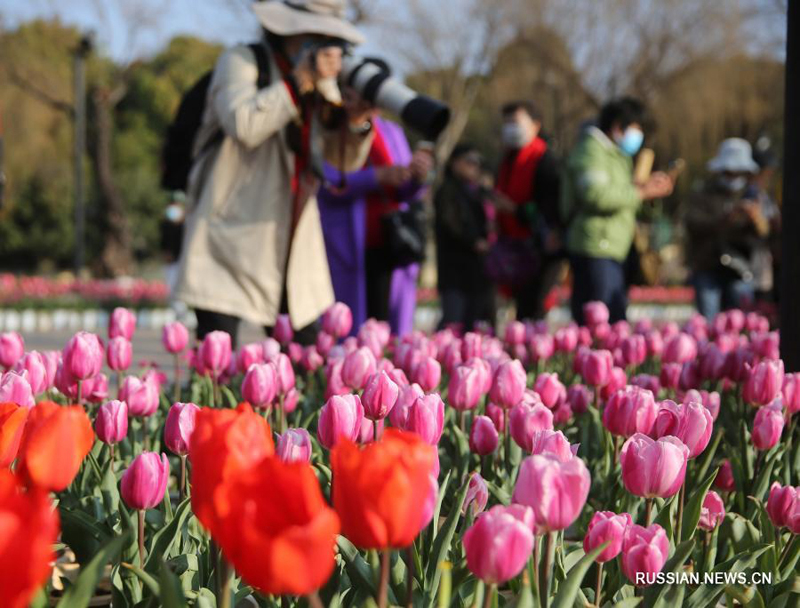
(599, 201)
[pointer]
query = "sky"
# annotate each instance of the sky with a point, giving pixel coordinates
(129, 29)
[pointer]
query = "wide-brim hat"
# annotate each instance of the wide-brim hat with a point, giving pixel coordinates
(292, 17)
(734, 155)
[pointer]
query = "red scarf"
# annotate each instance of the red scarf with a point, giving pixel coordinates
(516, 181)
(383, 200)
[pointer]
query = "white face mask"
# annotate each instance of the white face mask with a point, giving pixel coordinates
(514, 136)
(733, 184)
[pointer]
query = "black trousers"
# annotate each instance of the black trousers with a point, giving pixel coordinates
(208, 321)
(598, 279)
(378, 268)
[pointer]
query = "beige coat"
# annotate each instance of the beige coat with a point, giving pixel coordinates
(237, 230)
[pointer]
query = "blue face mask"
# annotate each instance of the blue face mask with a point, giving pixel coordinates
(631, 141)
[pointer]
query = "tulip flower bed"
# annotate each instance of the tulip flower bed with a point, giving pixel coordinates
(600, 465)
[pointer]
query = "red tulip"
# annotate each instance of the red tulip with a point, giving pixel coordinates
(30, 530)
(381, 491)
(55, 442)
(12, 425)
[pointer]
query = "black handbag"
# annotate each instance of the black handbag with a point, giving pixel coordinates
(404, 234)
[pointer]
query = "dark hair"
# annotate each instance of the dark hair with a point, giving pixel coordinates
(459, 151)
(623, 112)
(527, 106)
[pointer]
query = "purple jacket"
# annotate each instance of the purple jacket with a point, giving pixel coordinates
(344, 226)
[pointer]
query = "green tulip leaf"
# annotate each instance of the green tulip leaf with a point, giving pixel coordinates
(171, 590)
(164, 540)
(694, 506)
(568, 591)
(655, 594)
(708, 594)
(81, 592)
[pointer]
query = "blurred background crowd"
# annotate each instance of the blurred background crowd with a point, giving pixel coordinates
(552, 102)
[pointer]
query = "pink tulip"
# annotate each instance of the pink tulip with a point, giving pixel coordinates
(763, 383)
(483, 437)
(515, 333)
(485, 371)
(426, 418)
(724, 479)
(617, 380)
(692, 423)
(525, 420)
(248, 355)
(271, 348)
(179, 427)
(579, 398)
(550, 389)
(595, 313)
(83, 356)
(12, 347)
(629, 411)
(680, 349)
(606, 526)
(542, 347)
(215, 353)
(175, 337)
(508, 384)
(711, 401)
(144, 482)
(634, 350)
(671, 375)
(340, 417)
(121, 324)
(35, 368)
(311, 360)
(119, 354)
(358, 366)
(295, 352)
(427, 373)
(596, 367)
(712, 511)
(111, 423)
(791, 392)
(644, 553)
(284, 373)
(655, 343)
(140, 395)
(768, 426)
(325, 342)
(337, 320)
(15, 388)
(294, 446)
(555, 490)
(464, 388)
(498, 416)
(379, 397)
(499, 543)
(712, 362)
(554, 443)
(767, 345)
(738, 364)
(471, 345)
(653, 468)
(408, 394)
(52, 361)
(566, 339)
(290, 400)
(782, 504)
(283, 331)
(95, 389)
(477, 495)
(260, 385)
(690, 377)
(647, 382)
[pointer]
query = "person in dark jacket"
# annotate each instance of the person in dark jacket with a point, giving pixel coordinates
(466, 293)
(528, 205)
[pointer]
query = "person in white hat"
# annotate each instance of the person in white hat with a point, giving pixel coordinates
(254, 247)
(724, 226)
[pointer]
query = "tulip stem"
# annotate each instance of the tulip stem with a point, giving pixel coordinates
(487, 599)
(462, 420)
(679, 520)
(141, 538)
(111, 447)
(536, 580)
(648, 502)
(410, 574)
(183, 476)
(598, 590)
(314, 601)
(119, 384)
(224, 589)
(544, 589)
(176, 389)
(383, 584)
(80, 392)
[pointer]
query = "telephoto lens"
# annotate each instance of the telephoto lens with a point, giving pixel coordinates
(373, 80)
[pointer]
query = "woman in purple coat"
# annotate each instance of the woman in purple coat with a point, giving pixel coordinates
(377, 174)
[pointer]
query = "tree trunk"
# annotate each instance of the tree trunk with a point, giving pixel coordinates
(116, 258)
